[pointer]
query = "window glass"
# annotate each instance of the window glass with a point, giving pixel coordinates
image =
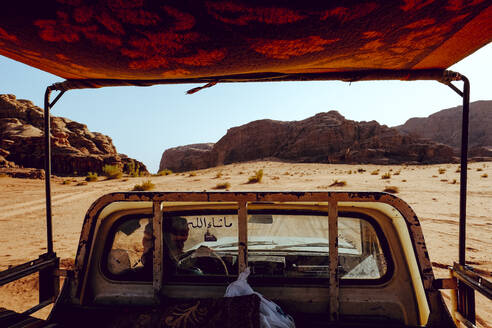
(288, 245)
(130, 256)
(200, 244)
(359, 250)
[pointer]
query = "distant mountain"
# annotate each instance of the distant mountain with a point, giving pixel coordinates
(74, 147)
(445, 127)
(323, 138)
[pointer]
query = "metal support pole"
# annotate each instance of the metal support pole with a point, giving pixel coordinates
(333, 254)
(47, 170)
(466, 295)
(243, 235)
(464, 169)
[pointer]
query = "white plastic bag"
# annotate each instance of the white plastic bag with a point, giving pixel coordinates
(271, 315)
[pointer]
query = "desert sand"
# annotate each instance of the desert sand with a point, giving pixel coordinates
(431, 190)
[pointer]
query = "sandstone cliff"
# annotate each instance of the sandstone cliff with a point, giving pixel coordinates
(324, 138)
(75, 149)
(445, 127)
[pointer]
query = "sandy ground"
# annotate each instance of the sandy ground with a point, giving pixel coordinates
(431, 190)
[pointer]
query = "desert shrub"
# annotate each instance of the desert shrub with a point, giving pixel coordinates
(453, 182)
(479, 169)
(361, 170)
(403, 180)
(145, 185)
(338, 183)
(132, 169)
(391, 189)
(256, 178)
(397, 173)
(485, 175)
(91, 176)
(458, 170)
(387, 175)
(375, 172)
(444, 180)
(222, 185)
(441, 170)
(275, 178)
(82, 183)
(164, 172)
(112, 171)
(241, 172)
(349, 172)
(434, 176)
(66, 182)
(192, 174)
(218, 175)
(286, 173)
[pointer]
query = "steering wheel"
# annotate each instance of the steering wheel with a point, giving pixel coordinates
(204, 259)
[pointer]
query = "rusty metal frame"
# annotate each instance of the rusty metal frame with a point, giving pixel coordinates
(347, 76)
(158, 244)
(443, 76)
(242, 198)
(333, 255)
(243, 235)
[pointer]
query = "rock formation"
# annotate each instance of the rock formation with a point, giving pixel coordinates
(445, 127)
(75, 149)
(185, 158)
(323, 138)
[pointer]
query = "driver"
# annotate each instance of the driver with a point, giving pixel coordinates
(175, 234)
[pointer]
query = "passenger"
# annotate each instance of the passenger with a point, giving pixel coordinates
(147, 258)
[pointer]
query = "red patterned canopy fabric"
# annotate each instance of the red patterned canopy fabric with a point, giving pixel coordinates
(192, 39)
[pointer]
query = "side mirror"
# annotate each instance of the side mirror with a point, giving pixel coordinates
(261, 219)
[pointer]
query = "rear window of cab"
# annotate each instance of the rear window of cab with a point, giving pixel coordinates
(282, 246)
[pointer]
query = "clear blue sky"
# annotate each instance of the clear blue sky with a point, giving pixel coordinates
(143, 122)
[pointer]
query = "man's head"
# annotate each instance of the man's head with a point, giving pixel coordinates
(177, 228)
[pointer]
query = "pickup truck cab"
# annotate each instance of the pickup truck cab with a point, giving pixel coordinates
(326, 258)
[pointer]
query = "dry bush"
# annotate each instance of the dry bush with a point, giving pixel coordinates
(112, 171)
(361, 170)
(66, 182)
(485, 175)
(403, 180)
(82, 183)
(145, 185)
(479, 169)
(453, 182)
(223, 185)
(397, 173)
(91, 176)
(257, 177)
(275, 178)
(444, 180)
(338, 183)
(375, 172)
(391, 189)
(286, 173)
(218, 175)
(192, 174)
(241, 172)
(164, 172)
(441, 170)
(434, 176)
(387, 175)
(458, 170)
